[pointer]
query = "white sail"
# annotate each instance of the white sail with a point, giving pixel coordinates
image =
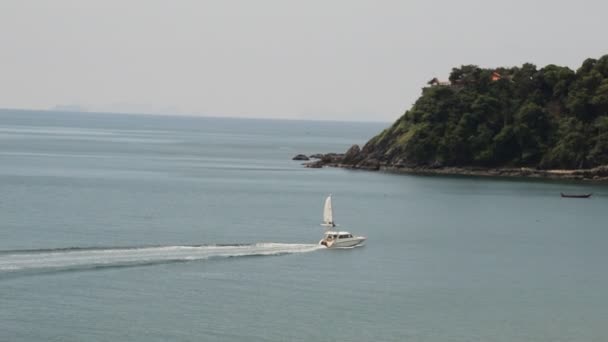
(328, 213)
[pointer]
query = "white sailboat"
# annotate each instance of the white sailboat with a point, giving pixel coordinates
(334, 238)
(328, 213)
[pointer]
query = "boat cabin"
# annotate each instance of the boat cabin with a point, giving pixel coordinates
(329, 235)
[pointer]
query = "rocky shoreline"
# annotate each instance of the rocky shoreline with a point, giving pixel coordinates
(346, 160)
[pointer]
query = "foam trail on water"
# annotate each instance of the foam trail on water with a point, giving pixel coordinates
(75, 258)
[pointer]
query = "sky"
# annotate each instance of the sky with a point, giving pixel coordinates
(316, 59)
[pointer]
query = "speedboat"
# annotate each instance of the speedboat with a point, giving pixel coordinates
(334, 238)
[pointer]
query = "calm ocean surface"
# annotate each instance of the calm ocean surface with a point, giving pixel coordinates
(146, 228)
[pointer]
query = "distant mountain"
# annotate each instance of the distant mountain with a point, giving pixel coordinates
(119, 107)
(548, 118)
(68, 108)
(131, 108)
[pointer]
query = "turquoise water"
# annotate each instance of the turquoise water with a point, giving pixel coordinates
(143, 228)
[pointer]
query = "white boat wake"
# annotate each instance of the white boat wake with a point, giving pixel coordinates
(90, 258)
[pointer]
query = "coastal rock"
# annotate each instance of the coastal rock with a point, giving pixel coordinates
(352, 156)
(300, 157)
(332, 158)
(436, 165)
(369, 164)
(315, 164)
(316, 156)
(328, 159)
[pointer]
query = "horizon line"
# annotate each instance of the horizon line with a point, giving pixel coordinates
(191, 115)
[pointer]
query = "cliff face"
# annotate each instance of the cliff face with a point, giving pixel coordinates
(549, 118)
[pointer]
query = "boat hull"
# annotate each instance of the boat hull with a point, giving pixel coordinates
(575, 196)
(342, 243)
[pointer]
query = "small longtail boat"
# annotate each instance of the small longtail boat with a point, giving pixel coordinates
(576, 196)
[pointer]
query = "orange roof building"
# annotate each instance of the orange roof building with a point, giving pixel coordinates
(495, 76)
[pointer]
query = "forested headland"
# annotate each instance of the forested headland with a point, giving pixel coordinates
(507, 117)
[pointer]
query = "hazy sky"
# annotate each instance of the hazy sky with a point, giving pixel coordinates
(313, 59)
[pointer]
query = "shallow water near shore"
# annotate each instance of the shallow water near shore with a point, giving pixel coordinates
(144, 228)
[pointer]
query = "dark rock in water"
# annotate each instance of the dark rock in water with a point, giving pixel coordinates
(352, 156)
(315, 165)
(328, 159)
(316, 156)
(333, 158)
(300, 157)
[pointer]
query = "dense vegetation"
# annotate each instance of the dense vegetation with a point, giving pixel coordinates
(552, 117)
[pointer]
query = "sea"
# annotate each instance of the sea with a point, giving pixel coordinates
(163, 228)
